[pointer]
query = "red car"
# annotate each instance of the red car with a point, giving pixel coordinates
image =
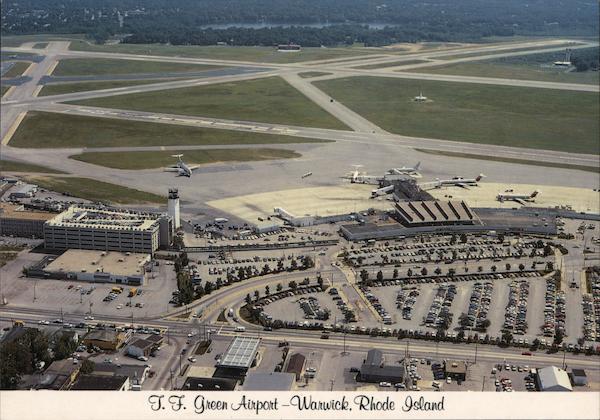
(526, 353)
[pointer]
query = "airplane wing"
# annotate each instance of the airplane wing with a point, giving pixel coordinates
(520, 201)
(461, 185)
(170, 169)
(193, 168)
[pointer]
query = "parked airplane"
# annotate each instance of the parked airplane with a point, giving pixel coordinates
(459, 181)
(405, 170)
(382, 191)
(181, 167)
(519, 198)
(357, 177)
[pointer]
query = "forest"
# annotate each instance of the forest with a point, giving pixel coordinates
(307, 22)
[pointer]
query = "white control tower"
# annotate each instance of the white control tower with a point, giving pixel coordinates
(173, 207)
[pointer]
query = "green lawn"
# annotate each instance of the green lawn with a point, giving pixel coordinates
(511, 160)
(90, 189)
(102, 66)
(4, 89)
(309, 74)
(54, 130)
(513, 71)
(17, 69)
(255, 54)
(389, 64)
(151, 160)
(12, 166)
(501, 115)
(40, 45)
(62, 88)
(17, 40)
(269, 100)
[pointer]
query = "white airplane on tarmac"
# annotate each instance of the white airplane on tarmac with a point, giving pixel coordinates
(357, 177)
(181, 167)
(459, 181)
(519, 198)
(405, 170)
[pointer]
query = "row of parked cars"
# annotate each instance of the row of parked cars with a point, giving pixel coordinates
(374, 301)
(479, 304)
(516, 310)
(349, 314)
(440, 307)
(591, 308)
(554, 311)
(405, 301)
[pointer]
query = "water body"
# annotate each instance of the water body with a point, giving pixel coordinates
(263, 25)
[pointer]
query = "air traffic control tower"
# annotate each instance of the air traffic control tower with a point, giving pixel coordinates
(173, 207)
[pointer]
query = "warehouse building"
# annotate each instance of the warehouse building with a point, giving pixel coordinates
(16, 221)
(23, 191)
(84, 227)
(553, 379)
(95, 266)
(375, 370)
(105, 339)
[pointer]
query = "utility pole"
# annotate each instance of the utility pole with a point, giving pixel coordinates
(34, 284)
(180, 364)
(61, 315)
(332, 383)
(171, 374)
(475, 354)
(344, 353)
(483, 385)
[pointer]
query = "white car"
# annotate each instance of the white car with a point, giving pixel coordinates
(385, 384)
(89, 317)
(119, 306)
(448, 380)
(192, 359)
(142, 358)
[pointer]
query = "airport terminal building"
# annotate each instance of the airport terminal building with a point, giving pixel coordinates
(105, 229)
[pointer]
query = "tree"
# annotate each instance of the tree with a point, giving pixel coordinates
(248, 299)
(521, 267)
(507, 337)
(256, 295)
(320, 281)
(265, 270)
(293, 264)
(507, 266)
(208, 287)
(409, 272)
(395, 273)
(63, 347)
(558, 337)
(438, 271)
(480, 269)
(379, 275)
(463, 238)
(451, 272)
(307, 262)
(267, 290)
(280, 265)
(485, 324)
(549, 266)
(183, 258)
(292, 285)
(364, 275)
(87, 367)
(279, 287)
(453, 239)
(494, 268)
(241, 273)
(424, 271)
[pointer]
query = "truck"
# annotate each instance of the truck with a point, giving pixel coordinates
(132, 292)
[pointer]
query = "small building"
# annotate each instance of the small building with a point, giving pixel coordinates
(455, 370)
(296, 364)
(209, 384)
(289, 48)
(140, 347)
(267, 226)
(105, 339)
(269, 381)
(155, 339)
(375, 370)
(239, 357)
(553, 379)
(58, 376)
(579, 377)
(16, 221)
(23, 191)
(136, 373)
(99, 266)
(92, 382)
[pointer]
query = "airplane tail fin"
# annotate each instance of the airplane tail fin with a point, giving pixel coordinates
(535, 193)
(416, 168)
(479, 177)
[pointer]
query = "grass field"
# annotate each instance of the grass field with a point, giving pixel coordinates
(62, 88)
(507, 70)
(500, 115)
(17, 69)
(152, 160)
(54, 130)
(12, 166)
(17, 40)
(511, 160)
(90, 189)
(389, 64)
(254, 54)
(40, 45)
(472, 54)
(309, 74)
(3, 90)
(269, 100)
(102, 66)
